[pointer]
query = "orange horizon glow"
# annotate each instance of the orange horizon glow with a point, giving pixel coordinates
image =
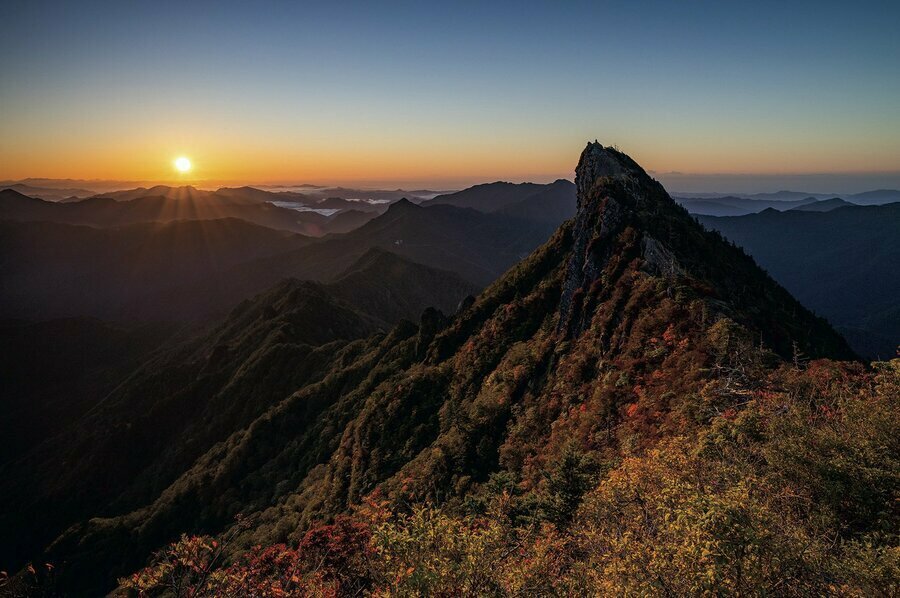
(436, 96)
(339, 165)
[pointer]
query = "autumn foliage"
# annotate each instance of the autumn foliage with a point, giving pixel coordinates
(792, 492)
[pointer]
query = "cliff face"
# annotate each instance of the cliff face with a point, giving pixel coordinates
(600, 218)
(624, 214)
(607, 339)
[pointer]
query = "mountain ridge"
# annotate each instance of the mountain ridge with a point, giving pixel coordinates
(551, 202)
(842, 263)
(609, 336)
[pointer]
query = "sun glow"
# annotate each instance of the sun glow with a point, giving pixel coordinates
(182, 164)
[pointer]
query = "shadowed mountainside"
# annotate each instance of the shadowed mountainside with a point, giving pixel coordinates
(553, 203)
(477, 246)
(844, 264)
(59, 368)
(191, 393)
(53, 270)
(196, 269)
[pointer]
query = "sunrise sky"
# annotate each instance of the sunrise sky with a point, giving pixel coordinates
(447, 94)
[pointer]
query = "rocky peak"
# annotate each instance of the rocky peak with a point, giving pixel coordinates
(598, 163)
(627, 226)
(613, 192)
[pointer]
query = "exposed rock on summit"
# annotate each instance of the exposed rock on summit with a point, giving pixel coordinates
(614, 193)
(625, 215)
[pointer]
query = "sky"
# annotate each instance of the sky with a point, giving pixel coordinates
(441, 95)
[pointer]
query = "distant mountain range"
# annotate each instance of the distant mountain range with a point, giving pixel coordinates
(711, 204)
(311, 210)
(181, 203)
(174, 258)
(476, 246)
(552, 203)
(823, 205)
(866, 197)
(85, 187)
(739, 206)
(49, 193)
(843, 263)
(488, 197)
(67, 189)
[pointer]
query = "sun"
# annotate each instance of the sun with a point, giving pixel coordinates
(182, 164)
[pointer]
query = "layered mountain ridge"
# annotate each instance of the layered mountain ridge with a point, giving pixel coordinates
(842, 263)
(607, 338)
(195, 270)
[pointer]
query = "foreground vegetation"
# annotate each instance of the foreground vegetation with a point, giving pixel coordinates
(794, 491)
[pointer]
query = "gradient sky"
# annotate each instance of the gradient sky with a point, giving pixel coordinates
(447, 94)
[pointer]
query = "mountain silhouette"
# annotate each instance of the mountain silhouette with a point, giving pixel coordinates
(843, 263)
(824, 205)
(198, 268)
(554, 202)
(167, 205)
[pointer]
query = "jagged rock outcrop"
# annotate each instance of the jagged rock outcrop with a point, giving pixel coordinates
(614, 193)
(624, 215)
(599, 218)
